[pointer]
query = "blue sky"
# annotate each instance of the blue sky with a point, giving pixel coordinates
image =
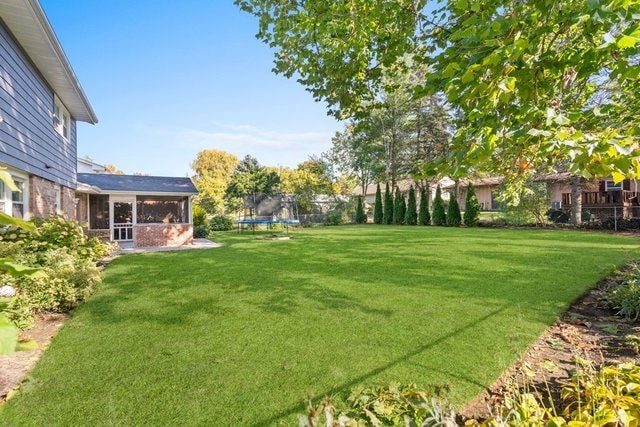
(170, 78)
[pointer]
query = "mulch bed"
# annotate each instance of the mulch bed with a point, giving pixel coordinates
(14, 368)
(589, 330)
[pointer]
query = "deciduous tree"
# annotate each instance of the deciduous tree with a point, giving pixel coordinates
(213, 171)
(533, 82)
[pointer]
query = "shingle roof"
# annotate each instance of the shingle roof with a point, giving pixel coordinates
(138, 183)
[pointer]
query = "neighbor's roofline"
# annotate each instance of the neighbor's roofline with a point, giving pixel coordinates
(29, 25)
(131, 192)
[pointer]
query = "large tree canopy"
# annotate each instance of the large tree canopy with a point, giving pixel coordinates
(534, 83)
(213, 169)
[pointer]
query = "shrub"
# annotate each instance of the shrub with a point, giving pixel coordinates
(424, 218)
(66, 262)
(199, 216)
(388, 206)
(626, 299)
(378, 214)
(221, 223)
(411, 217)
(361, 216)
(453, 212)
(200, 231)
(439, 217)
(393, 405)
(471, 207)
(57, 232)
(342, 213)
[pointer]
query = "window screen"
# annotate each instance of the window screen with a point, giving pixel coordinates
(98, 212)
(161, 209)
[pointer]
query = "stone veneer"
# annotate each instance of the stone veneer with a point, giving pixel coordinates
(146, 235)
(42, 198)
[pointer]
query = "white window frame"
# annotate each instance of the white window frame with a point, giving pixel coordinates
(61, 119)
(7, 195)
(610, 186)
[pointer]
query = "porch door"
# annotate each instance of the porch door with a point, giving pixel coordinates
(122, 229)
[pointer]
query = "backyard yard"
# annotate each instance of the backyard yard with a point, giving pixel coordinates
(247, 333)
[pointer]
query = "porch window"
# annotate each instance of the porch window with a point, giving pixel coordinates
(162, 209)
(98, 212)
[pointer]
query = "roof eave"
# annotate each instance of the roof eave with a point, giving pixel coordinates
(30, 26)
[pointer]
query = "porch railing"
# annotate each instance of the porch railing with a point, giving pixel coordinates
(122, 232)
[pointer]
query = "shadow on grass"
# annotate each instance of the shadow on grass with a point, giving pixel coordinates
(298, 407)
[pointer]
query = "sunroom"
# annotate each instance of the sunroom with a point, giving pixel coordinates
(136, 210)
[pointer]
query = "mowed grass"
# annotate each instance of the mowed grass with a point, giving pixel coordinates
(245, 334)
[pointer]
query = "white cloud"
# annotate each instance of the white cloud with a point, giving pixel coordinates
(270, 147)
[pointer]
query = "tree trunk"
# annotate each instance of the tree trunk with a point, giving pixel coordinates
(576, 199)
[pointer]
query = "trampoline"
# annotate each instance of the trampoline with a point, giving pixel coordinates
(268, 222)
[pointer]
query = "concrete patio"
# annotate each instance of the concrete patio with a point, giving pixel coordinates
(128, 248)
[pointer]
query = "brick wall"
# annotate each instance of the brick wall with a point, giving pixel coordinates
(42, 197)
(103, 235)
(68, 201)
(162, 235)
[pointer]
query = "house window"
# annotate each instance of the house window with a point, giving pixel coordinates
(17, 200)
(162, 209)
(611, 186)
(61, 119)
(98, 212)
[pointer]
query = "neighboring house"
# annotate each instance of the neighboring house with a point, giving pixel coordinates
(144, 210)
(602, 198)
(403, 185)
(40, 102)
(88, 166)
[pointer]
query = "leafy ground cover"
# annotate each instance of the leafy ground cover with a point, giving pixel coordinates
(244, 334)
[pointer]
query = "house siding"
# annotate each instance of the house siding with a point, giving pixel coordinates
(28, 140)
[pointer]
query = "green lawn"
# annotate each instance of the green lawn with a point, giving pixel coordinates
(242, 335)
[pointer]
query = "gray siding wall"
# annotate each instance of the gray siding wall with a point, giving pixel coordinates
(28, 140)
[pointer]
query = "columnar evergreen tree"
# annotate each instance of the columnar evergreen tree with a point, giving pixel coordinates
(424, 218)
(378, 214)
(388, 206)
(439, 216)
(472, 208)
(361, 216)
(399, 208)
(411, 217)
(453, 212)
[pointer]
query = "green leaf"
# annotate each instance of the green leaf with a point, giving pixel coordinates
(626, 42)
(17, 222)
(617, 177)
(27, 345)
(14, 269)
(8, 336)
(450, 70)
(467, 77)
(6, 177)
